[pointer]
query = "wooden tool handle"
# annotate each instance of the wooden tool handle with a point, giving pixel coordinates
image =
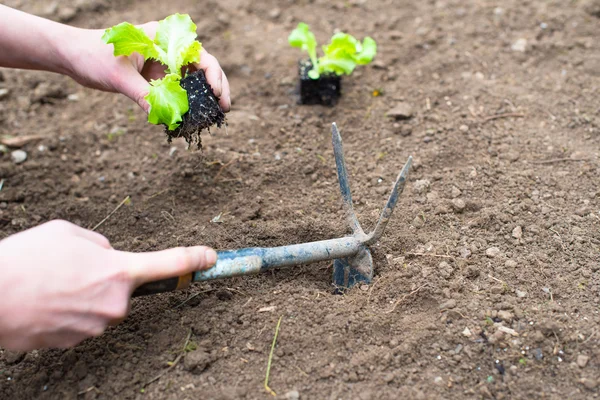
(164, 285)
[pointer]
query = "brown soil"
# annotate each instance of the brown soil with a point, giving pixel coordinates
(502, 234)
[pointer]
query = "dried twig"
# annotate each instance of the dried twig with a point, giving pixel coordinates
(429, 255)
(404, 298)
(94, 388)
(223, 168)
(557, 160)
(125, 200)
(506, 115)
(20, 141)
(267, 388)
(174, 364)
(194, 296)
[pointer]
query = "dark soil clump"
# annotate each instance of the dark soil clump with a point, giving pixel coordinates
(325, 91)
(204, 110)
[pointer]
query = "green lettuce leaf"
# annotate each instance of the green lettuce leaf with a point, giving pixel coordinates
(128, 39)
(345, 52)
(303, 38)
(368, 52)
(176, 40)
(168, 101)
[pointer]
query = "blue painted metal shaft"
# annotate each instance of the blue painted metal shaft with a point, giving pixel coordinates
(253, 260)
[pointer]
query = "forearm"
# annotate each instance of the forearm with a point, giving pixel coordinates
(31, 42)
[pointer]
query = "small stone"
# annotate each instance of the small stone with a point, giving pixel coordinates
(492, 252)
(467, 333)
(448, 305)
(517, 233)
(496, 337)
(172, 151)
(520, 294)
(421, 186)
(401, 111)
(465, 252)
(589, 383)
(519, 45)
(582, 360)
(463, 128)
(3, 93)
(418, 222)
(513, 369)
(510, 264)
(507, 330)
(66, 14)
(455, 192)
(458, 205)
(505, 315)
(292, 395)
(438, 380)
(3, 149)
(18, 156)
(537, 353)
(427, 139)
(274, 13)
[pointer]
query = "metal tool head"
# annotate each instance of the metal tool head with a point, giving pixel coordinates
(359, 268)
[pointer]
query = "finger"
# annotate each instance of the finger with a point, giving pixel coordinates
(93, 237)
(154, 266)
(212, 70)
(132, 84)
(225, 100)
(149, 28)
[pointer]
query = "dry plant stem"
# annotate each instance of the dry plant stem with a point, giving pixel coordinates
(223, 168)
(175, 362)
(429, 255)
(557, 160)
(193, 296)
(20, 141)
(125, 200)
(404, 298)
(94, 388)
(507, 115)
(267, 388)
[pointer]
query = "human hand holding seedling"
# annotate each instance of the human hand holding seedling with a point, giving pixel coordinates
(62, 284)
(31, 42)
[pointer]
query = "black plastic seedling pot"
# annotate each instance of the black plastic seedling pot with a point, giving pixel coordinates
(325, 91)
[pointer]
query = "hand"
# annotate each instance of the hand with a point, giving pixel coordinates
(91, 63)
(61, 284)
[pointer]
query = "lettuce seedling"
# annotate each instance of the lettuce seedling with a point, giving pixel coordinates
(174, 46)
(340, 56)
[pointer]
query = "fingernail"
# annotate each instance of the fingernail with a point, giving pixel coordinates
(228, 103)
(210, 257)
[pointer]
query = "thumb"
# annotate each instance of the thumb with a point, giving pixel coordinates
(154, 266)
(133, 85)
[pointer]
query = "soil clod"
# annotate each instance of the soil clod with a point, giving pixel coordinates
(204, 110)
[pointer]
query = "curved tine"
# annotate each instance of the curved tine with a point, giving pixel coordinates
(338, 151)
(386, 213)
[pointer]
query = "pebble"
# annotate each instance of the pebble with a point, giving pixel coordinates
(3, 93)
(517, 233)
(275, 13)
(66, 14)
(513, 369)
(3, 149)
(418, 222)
(448, 305)
(589, 383)
(467, 332)
(519, 45)
(18, 156)
(492, 252)
(505, 315)
(465, 253)
(463, 128)
(510, 264)
(292, 395)
(455, 192)
(520, 294)
(421, 186)
(458, 205)
(401, 111)
(537, 353)
(582, 360)
(438, 380)
(172, 151)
